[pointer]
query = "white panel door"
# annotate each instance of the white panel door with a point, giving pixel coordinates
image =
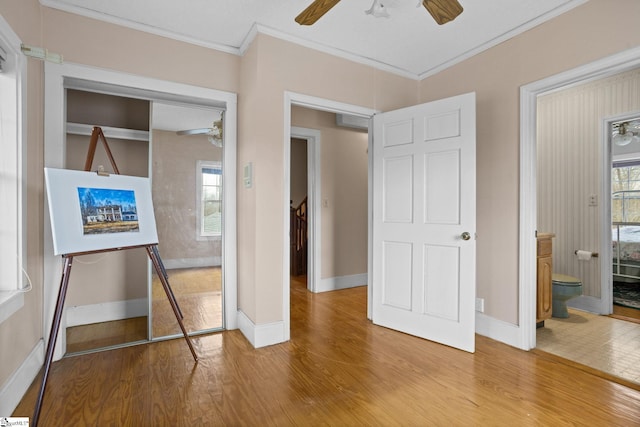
(424, 220)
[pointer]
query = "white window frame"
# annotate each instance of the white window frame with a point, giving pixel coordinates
(12, 165)
(205, 164)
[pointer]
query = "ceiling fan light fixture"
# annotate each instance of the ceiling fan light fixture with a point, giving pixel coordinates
(215, 141)
(633, 126)
(624, 137)
(622, 140)
(377, 10)
(215, 134)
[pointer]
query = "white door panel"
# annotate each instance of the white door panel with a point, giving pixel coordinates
(442, 187)
(398, 189)
(397, 272)
(423, 201)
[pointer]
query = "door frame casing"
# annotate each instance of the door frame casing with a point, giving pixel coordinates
(605, 305)
(322, 104)
(614, 64)
(56, 78)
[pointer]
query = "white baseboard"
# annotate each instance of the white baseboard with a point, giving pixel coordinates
(261, 335)
(587, 303)
(106, 312)
(16, 386)
(342, 282)
(498, 330)
(213, 261)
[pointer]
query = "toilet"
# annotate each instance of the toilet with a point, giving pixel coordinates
(563, 289)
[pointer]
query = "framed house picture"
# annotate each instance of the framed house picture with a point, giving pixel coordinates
(91, 212)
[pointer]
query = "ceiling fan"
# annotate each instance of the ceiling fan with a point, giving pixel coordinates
(214, 133)
(442, 11)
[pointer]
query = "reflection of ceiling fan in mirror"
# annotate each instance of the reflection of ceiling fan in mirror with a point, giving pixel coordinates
(442, 11)
(625, 132)
(214, 133)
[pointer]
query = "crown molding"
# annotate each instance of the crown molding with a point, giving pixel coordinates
(262, 29)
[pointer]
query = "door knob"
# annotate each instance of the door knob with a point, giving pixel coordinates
(465, 236)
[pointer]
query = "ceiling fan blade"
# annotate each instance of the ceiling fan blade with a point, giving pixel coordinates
(443, 11)
(315, 11)
(200, 131)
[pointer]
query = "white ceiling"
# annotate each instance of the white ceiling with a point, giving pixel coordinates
(408, 43)
(174, 117)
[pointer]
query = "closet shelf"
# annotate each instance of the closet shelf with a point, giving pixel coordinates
(109, 132)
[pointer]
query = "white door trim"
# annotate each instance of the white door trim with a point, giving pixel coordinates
(322, 104)
(314, 261)
(610, 65)
(56, 77)
(606, 268)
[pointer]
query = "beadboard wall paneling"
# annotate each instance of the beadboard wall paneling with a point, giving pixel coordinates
(569, 150)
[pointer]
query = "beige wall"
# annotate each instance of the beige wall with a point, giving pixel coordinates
(570, 159)
(582, 35)
(344, 186)
(87, 41)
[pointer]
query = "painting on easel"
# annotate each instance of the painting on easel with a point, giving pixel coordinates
(107, 210)
(94, 212)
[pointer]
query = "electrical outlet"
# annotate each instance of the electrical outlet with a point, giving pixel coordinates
(593, 200)
(480, 305)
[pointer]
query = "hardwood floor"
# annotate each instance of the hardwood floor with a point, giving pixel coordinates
(199, 294)
(337, 369)
(626, 313)
(106, 334)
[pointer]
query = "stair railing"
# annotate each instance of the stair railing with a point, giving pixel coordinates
(299, 237)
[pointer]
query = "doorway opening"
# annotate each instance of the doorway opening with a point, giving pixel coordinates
(329, 199)
(594, 200)
(318, 233)
(625, 216)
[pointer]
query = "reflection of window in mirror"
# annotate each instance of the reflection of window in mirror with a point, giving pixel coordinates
(210, 199)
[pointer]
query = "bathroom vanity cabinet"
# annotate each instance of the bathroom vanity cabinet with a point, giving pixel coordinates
(544, 275)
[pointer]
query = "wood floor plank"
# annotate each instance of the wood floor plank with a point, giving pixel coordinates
(337, 369)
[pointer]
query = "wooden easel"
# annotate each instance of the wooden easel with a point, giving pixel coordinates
(152, 251)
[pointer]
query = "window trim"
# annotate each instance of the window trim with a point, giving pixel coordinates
(205, 164)
(11, 295)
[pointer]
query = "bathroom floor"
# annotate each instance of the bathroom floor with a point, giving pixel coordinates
(599, 342)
